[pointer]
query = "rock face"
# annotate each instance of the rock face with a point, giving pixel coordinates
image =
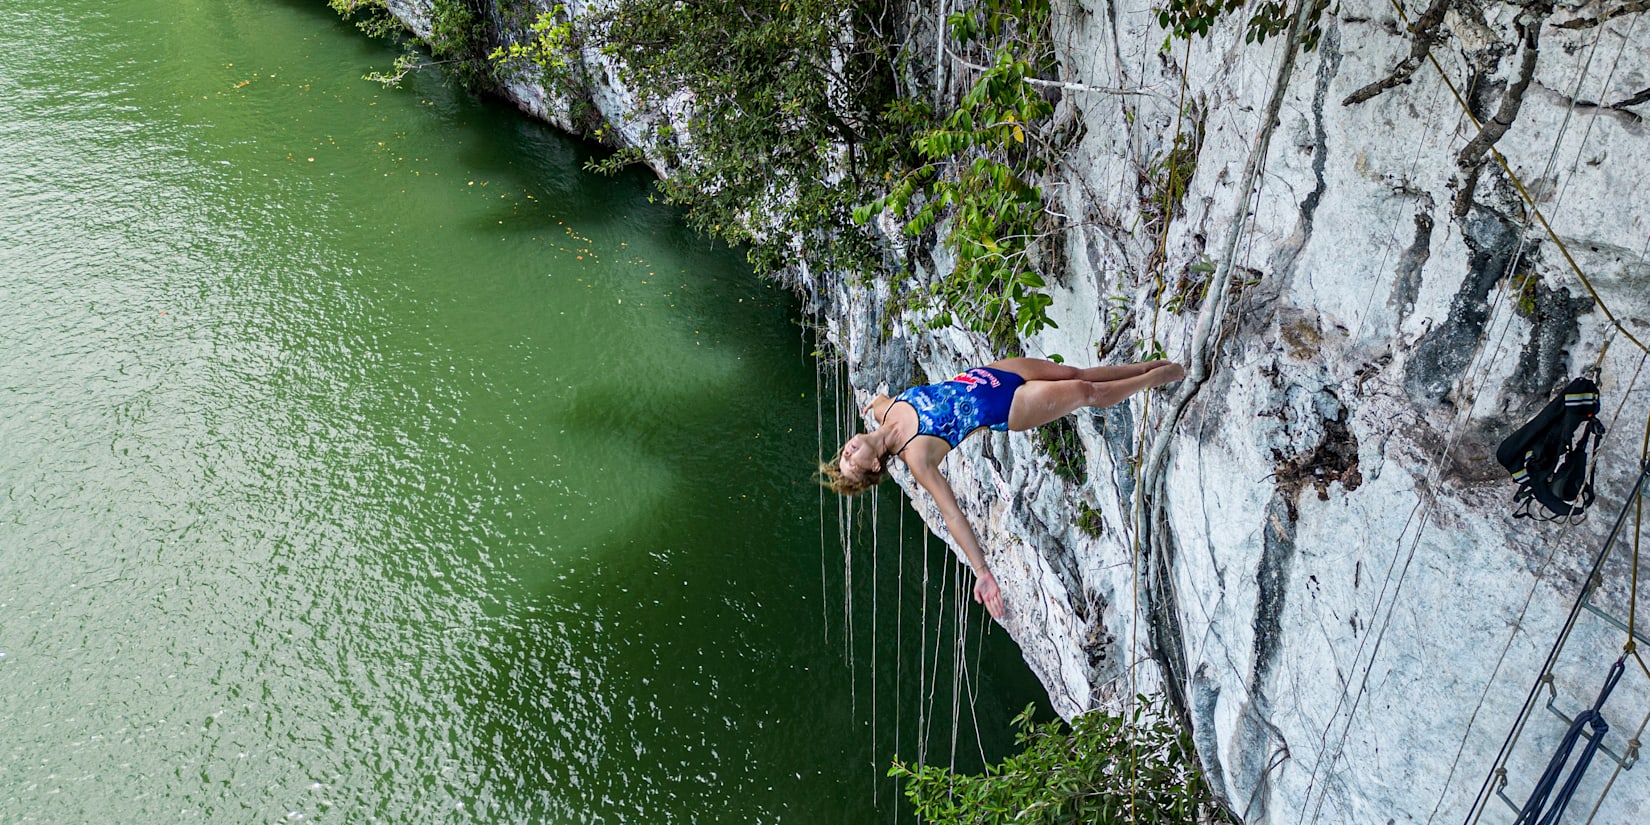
(1331, 585)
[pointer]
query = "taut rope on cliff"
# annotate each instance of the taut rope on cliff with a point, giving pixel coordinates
(1496, 778)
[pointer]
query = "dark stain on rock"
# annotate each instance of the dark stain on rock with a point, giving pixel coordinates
(1407, 283)
(1205, 699)
(1062, 562)
(1256, 739)
(1443, 353)
(1554, 328)
(1271, 580)
(1328, 67)
(1116, 426)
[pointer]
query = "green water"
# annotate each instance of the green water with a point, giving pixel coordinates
(362, 459)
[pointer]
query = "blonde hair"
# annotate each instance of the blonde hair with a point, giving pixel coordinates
(830, 475)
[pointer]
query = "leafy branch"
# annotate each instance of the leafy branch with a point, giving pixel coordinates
(794, 111)
(455, 40)
(370, 16)
(976, 178)
(552, 45)
(1103, 768)
(1188, 18)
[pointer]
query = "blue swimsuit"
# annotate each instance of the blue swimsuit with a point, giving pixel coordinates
(953, 409)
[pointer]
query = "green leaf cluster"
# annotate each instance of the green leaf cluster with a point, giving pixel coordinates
(977, 175)
(1188, 18)
(370, 16)
(1169, 176)
(551, 45)
(1101, 769)
(1059, 440)
(457, 40)
(1089, 521)
(797, 116)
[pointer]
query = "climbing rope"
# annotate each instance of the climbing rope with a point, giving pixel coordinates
(1593, 371)
(1218, 293)
(1478, 371)
(1536, 212)
(1498, 766)
(899, 638)
(1424, 509)
(1149, 479)
(1631, 645)
(876, 571)
(819, 436)
(1518, 621)
(1540, 810)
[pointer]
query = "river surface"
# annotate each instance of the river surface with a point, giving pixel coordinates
(363, 459)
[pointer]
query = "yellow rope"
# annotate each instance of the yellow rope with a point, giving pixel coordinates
(1598, 363)
(1525, 194)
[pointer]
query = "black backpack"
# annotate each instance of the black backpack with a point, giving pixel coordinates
(1548, 455)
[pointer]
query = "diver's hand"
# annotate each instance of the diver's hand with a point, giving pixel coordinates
(986, 593)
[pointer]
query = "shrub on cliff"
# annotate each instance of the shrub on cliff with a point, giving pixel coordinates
(1100, 769)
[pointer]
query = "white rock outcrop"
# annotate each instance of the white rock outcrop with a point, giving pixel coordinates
(1332, 586)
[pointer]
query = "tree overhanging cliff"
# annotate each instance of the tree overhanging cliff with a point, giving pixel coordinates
(1372, 251)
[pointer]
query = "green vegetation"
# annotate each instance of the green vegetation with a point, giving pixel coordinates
(1169, 177)
(1102, 769)
(1089, 522)
(1059, 440)
(795, 114)
(798, 119)
(1188, 18)
(1526, 292)
(369, 16)
(787, 126)
(977, 174)
(456, 42)
(552, 46)
(800, 129)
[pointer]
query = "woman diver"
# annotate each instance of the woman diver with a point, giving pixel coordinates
(925, 423)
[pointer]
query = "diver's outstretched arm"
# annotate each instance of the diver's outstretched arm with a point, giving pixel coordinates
(985, 584)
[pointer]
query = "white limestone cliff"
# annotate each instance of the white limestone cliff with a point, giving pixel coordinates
(1332, 585)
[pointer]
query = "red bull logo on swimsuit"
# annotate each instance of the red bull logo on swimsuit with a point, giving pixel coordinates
(976, 377)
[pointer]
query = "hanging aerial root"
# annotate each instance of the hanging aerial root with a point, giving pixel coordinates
(1471, 159)
(1422, 35)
